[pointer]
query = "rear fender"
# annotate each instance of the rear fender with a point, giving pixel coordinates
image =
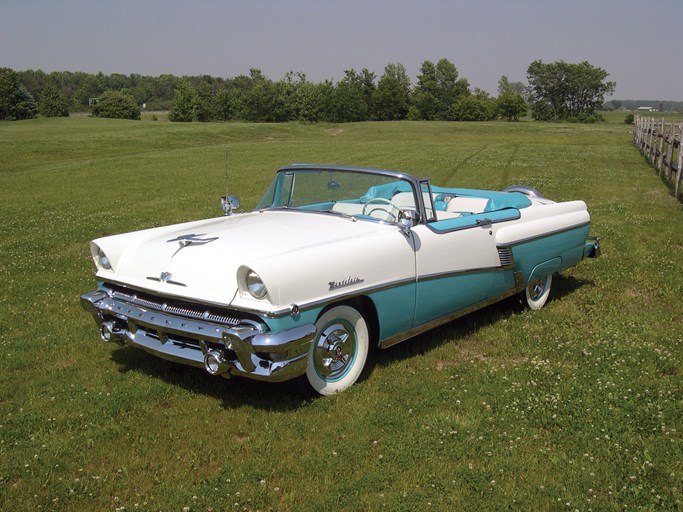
(546, 268)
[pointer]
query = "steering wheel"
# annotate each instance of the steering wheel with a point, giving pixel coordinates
(389, 213)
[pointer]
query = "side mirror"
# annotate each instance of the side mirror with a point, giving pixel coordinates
(229, 203)
(407, 219)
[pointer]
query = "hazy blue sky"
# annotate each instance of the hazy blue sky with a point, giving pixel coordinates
(483, 38)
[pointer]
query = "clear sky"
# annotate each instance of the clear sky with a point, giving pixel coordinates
(485, 39)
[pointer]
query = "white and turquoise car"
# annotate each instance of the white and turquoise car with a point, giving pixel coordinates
(333, 260)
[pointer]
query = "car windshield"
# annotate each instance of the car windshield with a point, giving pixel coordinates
(368, 195)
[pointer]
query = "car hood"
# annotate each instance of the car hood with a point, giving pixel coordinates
(199, 260)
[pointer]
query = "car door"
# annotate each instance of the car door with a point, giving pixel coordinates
(456, 267)
(457, 262)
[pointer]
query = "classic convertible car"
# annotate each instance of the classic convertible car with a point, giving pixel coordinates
(331, 261)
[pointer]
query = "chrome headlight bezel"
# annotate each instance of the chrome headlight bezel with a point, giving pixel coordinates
(100, 258)
(254, 285)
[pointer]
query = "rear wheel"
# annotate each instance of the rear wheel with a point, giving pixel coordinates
(537, 291)
(338, 354)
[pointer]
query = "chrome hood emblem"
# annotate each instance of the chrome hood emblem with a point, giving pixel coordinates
(191, 239)
(165, 277)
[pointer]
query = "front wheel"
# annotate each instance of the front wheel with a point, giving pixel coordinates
(338, 354)
(537, 291)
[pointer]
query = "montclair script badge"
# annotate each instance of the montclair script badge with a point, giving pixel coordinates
(349, 281)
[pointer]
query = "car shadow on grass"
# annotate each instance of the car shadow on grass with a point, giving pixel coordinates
(468, 325)
(232, 393)
(284, 396)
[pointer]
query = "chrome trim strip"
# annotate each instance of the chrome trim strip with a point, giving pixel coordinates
(415, 331)
(337, 298)
(544, 235)
(374, 289)
(444, 275)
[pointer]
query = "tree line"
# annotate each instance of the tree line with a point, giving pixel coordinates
(631, 105)
(556, 91)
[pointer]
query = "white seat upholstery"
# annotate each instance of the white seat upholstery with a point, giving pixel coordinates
(404, 200)
(348, 208)
(466, 204)
(447, 215)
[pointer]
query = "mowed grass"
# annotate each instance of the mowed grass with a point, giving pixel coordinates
(576, 407)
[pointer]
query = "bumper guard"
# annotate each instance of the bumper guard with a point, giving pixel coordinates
(243, 350)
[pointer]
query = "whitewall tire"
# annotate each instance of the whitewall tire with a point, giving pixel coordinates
(338, 353)
(537, 291)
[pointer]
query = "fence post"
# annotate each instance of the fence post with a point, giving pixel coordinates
(643, 135)
(670, 151)
(651, 143)
(680, 164)
(660, 159)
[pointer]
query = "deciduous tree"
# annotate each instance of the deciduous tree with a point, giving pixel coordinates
(475, 107)
(52, 103)
(391, 99)
(184, 103)
(350, 98)
(204, 103)
(116, 105)
(437, 89)
(510, 106)
(504, 85)
(15, 101)
(562, 90)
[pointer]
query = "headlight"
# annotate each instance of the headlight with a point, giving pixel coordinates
(101, 260)
(255, 286)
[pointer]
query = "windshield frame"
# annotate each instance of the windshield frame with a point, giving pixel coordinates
(275, 188)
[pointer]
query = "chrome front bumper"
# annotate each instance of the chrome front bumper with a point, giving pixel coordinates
(242, 350)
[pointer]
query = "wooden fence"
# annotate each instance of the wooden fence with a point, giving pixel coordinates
(660, 144)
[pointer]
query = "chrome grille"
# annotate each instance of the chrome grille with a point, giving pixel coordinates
(176, 307)
(505, 255)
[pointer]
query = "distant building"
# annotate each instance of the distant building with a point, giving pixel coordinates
(646, 109)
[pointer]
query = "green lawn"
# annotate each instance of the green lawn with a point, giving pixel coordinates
(576, 407)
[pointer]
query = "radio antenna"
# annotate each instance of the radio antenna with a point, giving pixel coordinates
(226, 171)
(230, 203)
(226, 202)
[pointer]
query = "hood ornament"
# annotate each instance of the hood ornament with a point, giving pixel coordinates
(191, 239)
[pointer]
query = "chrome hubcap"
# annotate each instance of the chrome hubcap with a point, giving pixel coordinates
(536, 288)
(335, 350)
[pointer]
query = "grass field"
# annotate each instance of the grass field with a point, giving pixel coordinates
(576, 407)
